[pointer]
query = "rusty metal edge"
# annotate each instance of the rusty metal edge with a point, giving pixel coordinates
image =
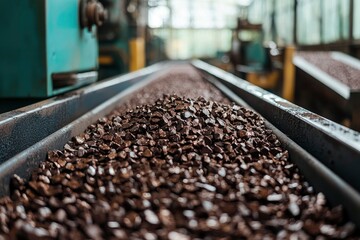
(322, 178)
(336, 146)
(24, 127)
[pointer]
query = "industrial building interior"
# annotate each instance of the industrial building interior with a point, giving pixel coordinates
(180, 119)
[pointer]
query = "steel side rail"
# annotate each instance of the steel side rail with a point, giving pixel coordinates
(336, 146)
(21, 128)
(26, 161)
(317, 174)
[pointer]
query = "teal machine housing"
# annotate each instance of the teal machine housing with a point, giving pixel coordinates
(114, 37)
(44, 50)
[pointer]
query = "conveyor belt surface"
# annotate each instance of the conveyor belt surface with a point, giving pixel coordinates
(332, 78)
(211, 127)
(331, 64)
(180, 80)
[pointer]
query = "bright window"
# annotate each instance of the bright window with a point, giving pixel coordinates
(194, 28)
(308, 20)
(356, 20)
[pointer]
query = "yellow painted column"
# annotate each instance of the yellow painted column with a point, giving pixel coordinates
(137, 54)
(289, 74)
(264, 80)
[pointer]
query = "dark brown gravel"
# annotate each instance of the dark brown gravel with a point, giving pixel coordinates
(344, 73)
(182, 81)
(175, 168)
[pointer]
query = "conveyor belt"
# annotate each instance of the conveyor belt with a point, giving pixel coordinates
(332, 145)
(342, 69)
(336, 146)
(334, 77)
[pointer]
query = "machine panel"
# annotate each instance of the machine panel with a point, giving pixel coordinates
(43, 38)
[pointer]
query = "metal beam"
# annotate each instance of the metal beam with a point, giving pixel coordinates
(336, 146)
(22, 128)
(351, 20)
(295, 22)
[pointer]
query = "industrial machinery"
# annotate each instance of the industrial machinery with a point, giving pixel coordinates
(54, 48)
(328, 84)
(48, 47)
(113, 38)
(122, 37)
(248, 53)
(251, 60)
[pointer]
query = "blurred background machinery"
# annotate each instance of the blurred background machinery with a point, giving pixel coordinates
(126, 44)
(113, 38)
(122, 37)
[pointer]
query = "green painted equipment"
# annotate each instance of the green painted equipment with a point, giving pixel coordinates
(114, 38)
(47, 46)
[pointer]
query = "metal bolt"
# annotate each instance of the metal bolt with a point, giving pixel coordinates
(92, 13)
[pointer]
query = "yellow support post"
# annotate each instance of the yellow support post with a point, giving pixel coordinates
(105, 60)
(289, 74)
(137, 54)
(264, 80)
